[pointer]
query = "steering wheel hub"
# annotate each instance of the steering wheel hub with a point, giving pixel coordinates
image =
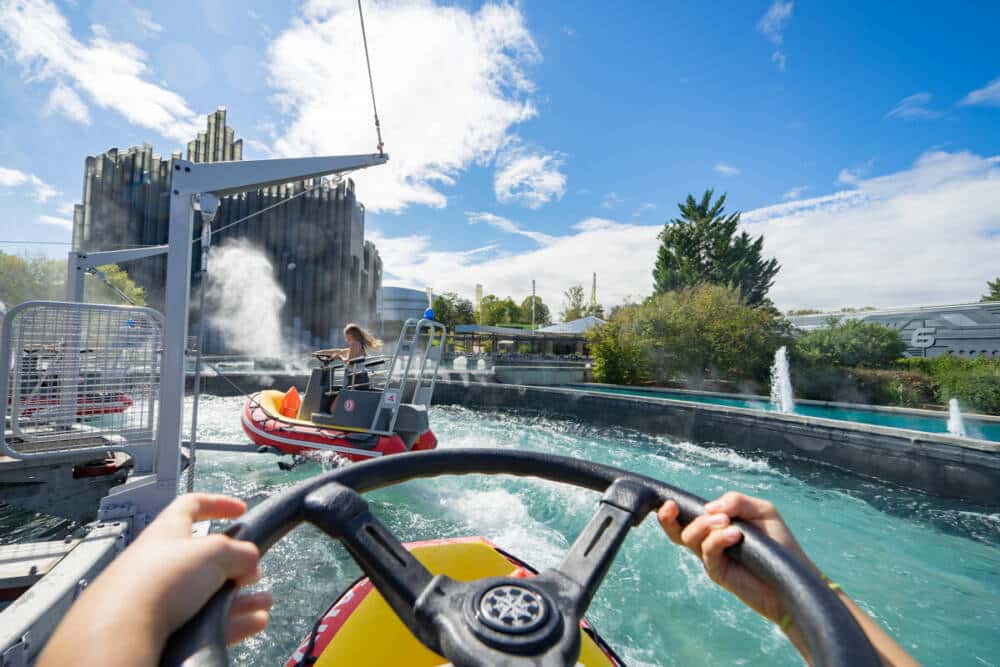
(512, 609)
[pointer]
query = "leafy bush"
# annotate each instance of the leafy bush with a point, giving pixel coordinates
(689, 332)
(895, 387)
(617, 350)
(850, 344)
(974, 382)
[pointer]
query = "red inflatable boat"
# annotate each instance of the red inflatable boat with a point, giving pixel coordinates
(266, 426)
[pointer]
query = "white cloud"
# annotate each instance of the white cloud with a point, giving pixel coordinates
(771, 25)
(988, 95)
(532, 179)
(145, 20)
(925, 235)
(111, 73)
(66, 208)
(14, 178)
(450, 86)
(611, 200)
(508, 226)
(65, 223)
(913, 107)
(795, 192)
(854, 175)
(725, 169)
(64, 100)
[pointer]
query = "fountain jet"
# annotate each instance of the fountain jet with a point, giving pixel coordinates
(956, 424)
(782, 395)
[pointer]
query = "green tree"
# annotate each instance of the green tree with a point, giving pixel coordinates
(36, 277)
(451, 310)
(500, 311)
(994, 288)
(26, 278)
(595, 310)
(702, 246)
(542, 315)
(850, 343)
(572, 304)
(96, 291)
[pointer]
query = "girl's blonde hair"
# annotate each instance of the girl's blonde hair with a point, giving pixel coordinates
(369, 341)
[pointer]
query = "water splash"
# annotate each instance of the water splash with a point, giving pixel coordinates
(244, 300)
(956, 424)
(782, 394)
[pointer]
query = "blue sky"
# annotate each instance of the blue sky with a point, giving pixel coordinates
(550, 140)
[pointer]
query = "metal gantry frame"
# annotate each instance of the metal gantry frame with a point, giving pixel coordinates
(195, 187)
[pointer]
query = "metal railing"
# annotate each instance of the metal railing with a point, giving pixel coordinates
(70, 371)
(418, 350)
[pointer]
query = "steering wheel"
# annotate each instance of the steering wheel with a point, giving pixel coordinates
(503, 620)
(325, 359)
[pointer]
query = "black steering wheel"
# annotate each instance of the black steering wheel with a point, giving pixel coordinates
(325, 359)
(503, 620)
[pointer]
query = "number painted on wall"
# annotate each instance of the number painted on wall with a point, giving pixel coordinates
(923, 337)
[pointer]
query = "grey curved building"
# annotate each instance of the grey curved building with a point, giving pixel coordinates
(330, 274)
(968, 330)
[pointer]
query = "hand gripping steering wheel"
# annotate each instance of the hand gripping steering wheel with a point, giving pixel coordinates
(503, 620)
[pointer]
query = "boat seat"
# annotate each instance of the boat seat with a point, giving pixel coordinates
(354, 409)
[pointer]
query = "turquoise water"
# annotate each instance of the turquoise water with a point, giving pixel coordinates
(928, 570)
(973, 428)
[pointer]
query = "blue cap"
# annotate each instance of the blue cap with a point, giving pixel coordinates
(429, 314)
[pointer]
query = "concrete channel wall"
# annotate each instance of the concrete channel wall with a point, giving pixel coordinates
(937, 464)
(940, 465)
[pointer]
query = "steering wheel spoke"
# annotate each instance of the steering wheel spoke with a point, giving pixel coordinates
(624, 505)
(342, 513)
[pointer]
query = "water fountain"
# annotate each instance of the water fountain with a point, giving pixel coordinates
(956, 424)
(782, 395)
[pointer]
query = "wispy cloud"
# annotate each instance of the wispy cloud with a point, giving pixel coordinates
(988, 95)
(611, 200)
(725, 169)
(65, 223)
(64, 100)
(452, 85)
(112, 73)
(506, 225)
(66, 208)
(853, 175)
(913, 107)
(530, 178)
(15, 178)
(644, 208)
(795, 192)
(772, 25)
(870, 244)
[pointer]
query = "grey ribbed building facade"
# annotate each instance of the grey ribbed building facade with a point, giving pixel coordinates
(330, 274)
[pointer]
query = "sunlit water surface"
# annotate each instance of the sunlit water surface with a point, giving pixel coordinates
(927, 570)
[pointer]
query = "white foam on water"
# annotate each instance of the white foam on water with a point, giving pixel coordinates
(723, 455)
(503, 518)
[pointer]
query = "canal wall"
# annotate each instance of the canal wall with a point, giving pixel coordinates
(937, 464)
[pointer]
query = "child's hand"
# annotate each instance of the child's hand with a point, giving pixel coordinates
(157, 584)
(710, 534)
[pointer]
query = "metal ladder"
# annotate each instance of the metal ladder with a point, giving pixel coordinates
(420, 339)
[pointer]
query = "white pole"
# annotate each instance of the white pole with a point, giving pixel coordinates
(532, 305)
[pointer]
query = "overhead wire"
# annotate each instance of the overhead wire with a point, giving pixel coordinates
(371, 83)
